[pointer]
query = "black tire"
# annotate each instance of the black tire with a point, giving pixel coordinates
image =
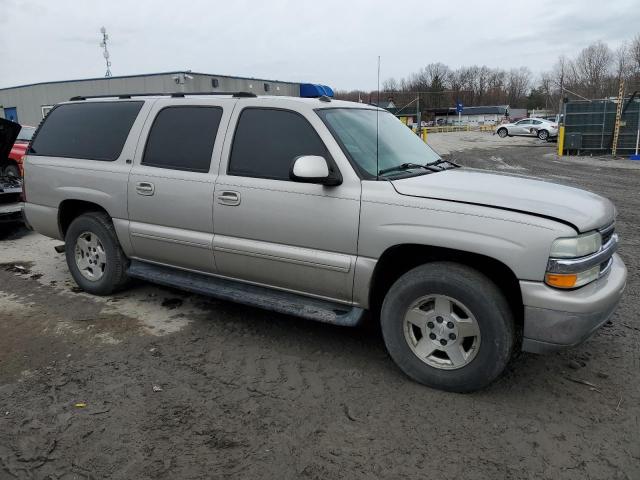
(503, 132)
(543, 134)
(114, 276)
(485, 301)
(11, 170)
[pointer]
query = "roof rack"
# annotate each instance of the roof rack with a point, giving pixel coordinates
(173, 95)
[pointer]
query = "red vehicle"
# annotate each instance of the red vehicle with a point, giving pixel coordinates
(12, 165)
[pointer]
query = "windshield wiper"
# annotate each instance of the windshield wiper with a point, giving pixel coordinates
(407, 166)
(440, 161)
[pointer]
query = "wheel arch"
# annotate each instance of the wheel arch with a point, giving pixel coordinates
(70, 209)
(399, 259)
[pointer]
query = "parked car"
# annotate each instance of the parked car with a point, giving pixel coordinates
(11, 165)
(325, 209)
(10, 186)
(529, 127)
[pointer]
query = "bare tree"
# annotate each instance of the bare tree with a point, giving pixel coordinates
(634, 53)
(390, 85)
(437, 75)
(518, 83)
(593, 65)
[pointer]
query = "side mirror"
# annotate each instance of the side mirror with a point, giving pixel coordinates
(314, 169)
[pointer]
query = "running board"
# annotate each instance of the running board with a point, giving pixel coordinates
(253, 295)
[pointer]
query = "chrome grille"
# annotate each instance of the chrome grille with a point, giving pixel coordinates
(607, 233)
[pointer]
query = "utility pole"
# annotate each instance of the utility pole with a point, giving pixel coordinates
(418, 116)
(105, 52)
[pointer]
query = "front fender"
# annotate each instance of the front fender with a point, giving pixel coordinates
(520, 241)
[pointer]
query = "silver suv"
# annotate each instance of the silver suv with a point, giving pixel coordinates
(326, 210)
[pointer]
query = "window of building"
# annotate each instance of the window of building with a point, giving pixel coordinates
(267, 141)
(267, 87)
(88, 130)
(215, 83)
(182, 138)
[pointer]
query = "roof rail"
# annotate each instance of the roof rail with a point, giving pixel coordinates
(173, 95)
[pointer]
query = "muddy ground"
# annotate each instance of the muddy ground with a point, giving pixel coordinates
(154, 383)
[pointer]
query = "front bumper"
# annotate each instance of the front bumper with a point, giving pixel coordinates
(556, 319)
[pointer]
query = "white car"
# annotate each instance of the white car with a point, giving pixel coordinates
(529, 127)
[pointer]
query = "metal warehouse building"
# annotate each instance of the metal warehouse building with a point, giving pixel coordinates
(28, 104)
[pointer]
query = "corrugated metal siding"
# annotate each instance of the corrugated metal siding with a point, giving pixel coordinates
(30, 99)
(595, 120)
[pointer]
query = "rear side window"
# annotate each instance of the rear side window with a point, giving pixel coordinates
(267, 141)
(182, 138)
(92, 130)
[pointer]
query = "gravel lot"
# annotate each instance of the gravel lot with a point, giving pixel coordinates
(155, 383)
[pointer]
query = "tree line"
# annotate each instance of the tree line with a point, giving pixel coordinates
(594, 73)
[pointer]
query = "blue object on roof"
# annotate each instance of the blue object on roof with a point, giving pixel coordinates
(314, 90)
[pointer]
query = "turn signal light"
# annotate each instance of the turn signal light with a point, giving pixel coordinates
(561, 280)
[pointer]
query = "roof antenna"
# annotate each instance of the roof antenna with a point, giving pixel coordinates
(377, 128)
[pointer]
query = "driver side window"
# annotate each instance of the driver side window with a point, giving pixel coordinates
(267, 141)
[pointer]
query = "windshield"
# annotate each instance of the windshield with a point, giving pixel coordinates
(26, 133)
(355, 130)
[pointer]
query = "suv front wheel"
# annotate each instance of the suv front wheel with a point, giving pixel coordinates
(448, 326)
(95, 259)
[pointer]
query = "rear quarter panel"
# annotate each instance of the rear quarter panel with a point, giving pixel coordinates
(51, 180)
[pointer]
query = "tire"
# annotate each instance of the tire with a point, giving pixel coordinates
(95, 259)
(503, 132)
(11, 170)
(475, 297)
(543, 134)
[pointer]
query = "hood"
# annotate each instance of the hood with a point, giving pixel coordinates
(581, 209)
(8, 134)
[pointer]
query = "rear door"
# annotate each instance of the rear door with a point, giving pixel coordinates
(171, 184)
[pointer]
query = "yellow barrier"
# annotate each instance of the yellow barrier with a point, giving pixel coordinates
(424, 135)
(561, 141)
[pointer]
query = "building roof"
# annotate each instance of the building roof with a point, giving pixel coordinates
(186, 72)
(481, 110)
(386, 104)
(495, 110)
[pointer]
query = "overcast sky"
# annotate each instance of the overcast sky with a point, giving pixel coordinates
(335, 42)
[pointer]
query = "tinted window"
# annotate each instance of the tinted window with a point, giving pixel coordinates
(267, 141)
(182, 138)
(92, 130)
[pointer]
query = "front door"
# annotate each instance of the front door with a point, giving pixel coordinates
(522, 127)
(171, 184)
(270, 230)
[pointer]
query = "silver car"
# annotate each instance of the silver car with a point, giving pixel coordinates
(325, 210)
(529, 127)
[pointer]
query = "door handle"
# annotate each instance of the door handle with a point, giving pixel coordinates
(145, 188)
(229, 198)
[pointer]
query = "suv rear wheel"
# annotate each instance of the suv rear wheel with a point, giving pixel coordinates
(448, 326)
(95, 259)
(543, 134)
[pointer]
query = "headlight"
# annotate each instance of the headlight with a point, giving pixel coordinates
(575, 247)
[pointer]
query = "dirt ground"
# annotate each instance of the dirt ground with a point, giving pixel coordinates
(155, 383)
